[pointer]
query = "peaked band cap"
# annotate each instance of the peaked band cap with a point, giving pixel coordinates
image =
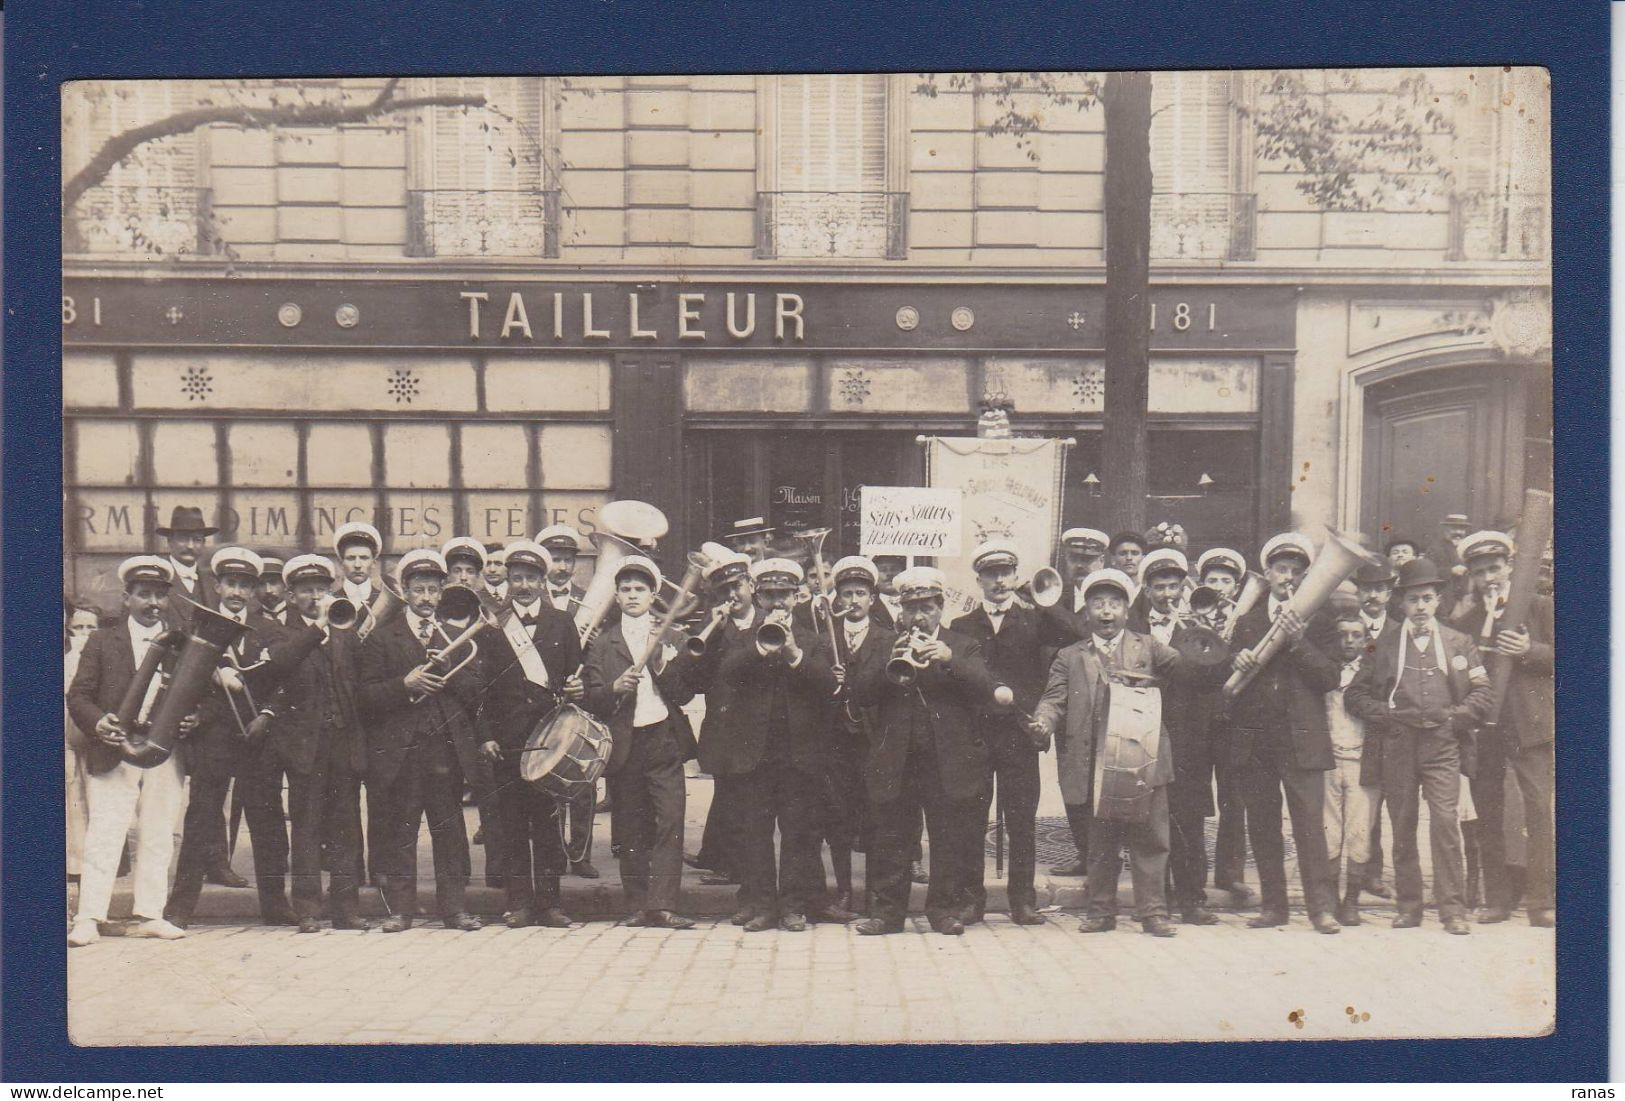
(528, 552)
(422, 560)
(994, 553)
(639, 564)
(357, 531)
(560, 537)
(1163, 560)
(1224, 558)
(271, 565)
(920, 583)
(1288, 542)
(464, 546)
(856, 565)
(145, 567)
(1109, 578)
(1482, 543)
(236, 560)
(754, 525)
(307, 567)
(1085, 538)
(777, 572)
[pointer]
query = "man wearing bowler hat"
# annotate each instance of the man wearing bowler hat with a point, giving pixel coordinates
(184, 539)
(1421, 693)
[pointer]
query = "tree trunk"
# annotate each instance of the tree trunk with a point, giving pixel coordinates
(1124, 476)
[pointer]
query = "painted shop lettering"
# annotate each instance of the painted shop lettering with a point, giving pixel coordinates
(694, 316)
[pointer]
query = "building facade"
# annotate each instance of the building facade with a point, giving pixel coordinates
(738, 295)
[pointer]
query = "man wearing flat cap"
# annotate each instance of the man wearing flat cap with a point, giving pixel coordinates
(1422, 692)
(1281, 742)
(219, 751)
(118, 793)
(1522, 737)
(773, 695)
(184, 540)
(930, 752)
(422, 741)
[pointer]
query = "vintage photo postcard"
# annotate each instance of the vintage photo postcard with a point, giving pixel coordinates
(802, 558)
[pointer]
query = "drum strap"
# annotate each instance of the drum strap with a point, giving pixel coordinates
(524, 648)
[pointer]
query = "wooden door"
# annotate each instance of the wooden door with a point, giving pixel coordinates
(1438, 443)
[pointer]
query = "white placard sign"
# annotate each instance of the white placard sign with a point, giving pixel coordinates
(917, 520)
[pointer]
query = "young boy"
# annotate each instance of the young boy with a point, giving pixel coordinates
(1351, 807)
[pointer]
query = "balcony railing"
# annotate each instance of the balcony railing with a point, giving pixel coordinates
(1204, 225)
(831, 224)
(470, 222)
(1485, 228)
(141, 219)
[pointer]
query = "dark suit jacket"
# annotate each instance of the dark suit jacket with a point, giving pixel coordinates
(216, 748)
(106, 668)
(1367, 698)
(607, 658)
(1529, 708)
(395, 724)
(1287, 696)
(512, 705)
(177, 610)
(315, 702)
(740, 717)
(1015, 654)
(869, 660)
(954, 694)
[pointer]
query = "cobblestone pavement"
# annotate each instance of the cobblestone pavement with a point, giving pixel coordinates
(601, 982)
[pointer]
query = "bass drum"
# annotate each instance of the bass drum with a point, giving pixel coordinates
(566, 752)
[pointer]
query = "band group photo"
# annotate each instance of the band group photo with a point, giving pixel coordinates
(851, 705)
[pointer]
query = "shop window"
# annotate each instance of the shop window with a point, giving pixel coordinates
(339, 455)
(481, 181)
(1500, 207)
(1198, 210)
(150, 203)
(184, 454)
(106, 453)
(575, 456)
(263, 453)
(495, 456)
(829, 187)
(1206, 481)
(417, 455)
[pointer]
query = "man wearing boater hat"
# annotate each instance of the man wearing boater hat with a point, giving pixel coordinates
(930, 753)
(118, 793)
(1281, 741)
(1522, 738)
(530, 667)
(421, 741)
(218, 751)
(773, 704)
(1422, 691)
(184, 540)
(642, 704)
(750, 537)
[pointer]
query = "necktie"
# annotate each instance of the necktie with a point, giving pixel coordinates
(425, 629)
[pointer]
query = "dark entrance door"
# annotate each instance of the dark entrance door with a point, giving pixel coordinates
(1449, 440)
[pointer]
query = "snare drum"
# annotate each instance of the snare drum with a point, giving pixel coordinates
(566, 752)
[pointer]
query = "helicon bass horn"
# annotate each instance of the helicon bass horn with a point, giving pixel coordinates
(625, 522)
(209, 636)
(1339, 556)
(384, 607)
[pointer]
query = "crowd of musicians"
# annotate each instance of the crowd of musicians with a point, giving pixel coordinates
(841, 713)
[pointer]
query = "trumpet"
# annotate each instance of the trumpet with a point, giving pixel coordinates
(696, 645)
(774, 633)
(903, 669)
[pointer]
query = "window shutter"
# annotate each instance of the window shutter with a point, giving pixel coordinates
(831, 162)
(486, 192)
(1191, 165)
(148, 202)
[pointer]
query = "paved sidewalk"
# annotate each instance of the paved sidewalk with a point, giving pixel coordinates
(716, 984)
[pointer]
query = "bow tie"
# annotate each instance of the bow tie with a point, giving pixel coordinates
(425, 629)
(528, 620)
(1161, 620)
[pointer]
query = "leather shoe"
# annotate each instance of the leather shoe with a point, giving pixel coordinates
(1377, 888)
(876, 927)
(665, 919)
(1024, 914)
(1456, 925)
(1158, 927)
(1542, 918)
(948, 925)
(1408, 919)
(635, 920)
(463, 922)
(516, 919)
(1325, 923)
(584, 869)
(1348, 914)
(224, 877)
(1097, 925)
(793, 923)
(309, 925)
(396, 923)
(833, 914)
(693, 861)
(352, 922)
(1267, 919)
(744, 916)
(971, 915)
(551, 917)
(1493, 915)
(1197, 915)
(760, 923)
(479, 835)
(1077, 867)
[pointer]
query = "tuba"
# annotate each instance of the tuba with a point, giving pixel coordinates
(199, 649)
(624, 522)
(1339, 557)
(1534, 529)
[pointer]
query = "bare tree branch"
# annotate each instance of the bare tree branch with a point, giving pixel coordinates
(121, 145)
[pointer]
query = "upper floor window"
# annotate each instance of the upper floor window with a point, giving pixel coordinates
(482, 183)
(1200, 209)
(149, 203)
(830, 185)
(1501, 156)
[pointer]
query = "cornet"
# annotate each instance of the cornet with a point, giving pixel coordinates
(903, 669)
(341, 613)
(774, 633)
(464, 603)
(696, 644)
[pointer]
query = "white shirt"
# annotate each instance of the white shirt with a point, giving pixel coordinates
(1077, 599)
(1348, 733)
(498, 591)
(1374, 624)
(416, 622)
(1162, 626)
(1493, 604)
(187, 575)
(1275, 606)
(996, 613)
(560, 598)
(855, 634)
(531, 610)
(326, 633)
(1422, 637)
(140, 641)
(359, 595)
(893, 605)
(743, 622)
(650, 708)
(1106, 648)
